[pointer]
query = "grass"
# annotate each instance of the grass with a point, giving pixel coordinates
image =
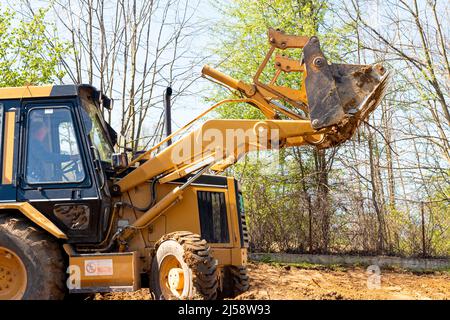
(306, 265)
(434, 271)
(342, 268)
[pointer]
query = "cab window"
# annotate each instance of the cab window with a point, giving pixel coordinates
(96, 131)
(53, 153)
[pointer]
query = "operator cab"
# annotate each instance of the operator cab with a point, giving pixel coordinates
(62, 154)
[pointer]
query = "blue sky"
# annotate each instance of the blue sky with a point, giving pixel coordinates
(184, 108)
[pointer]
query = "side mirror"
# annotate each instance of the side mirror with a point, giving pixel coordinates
(119, 161)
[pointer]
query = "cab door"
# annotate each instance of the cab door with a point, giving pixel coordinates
(8, 150)
(56, 176)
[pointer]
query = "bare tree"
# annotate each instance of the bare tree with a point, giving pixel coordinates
(132, 50)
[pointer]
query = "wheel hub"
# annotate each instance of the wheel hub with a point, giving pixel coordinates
(171, 277)
(176, 279)
(13, 276)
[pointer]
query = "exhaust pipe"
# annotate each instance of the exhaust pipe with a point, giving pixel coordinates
(167, 112)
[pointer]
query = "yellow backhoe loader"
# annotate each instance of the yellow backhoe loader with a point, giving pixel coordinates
(77, 217)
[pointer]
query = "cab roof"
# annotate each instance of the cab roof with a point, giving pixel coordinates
(53, 91)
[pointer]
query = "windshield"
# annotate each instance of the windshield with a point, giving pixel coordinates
(96, 131)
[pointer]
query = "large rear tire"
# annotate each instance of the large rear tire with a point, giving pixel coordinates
(31, 263)
(183, 268)
(235, 281)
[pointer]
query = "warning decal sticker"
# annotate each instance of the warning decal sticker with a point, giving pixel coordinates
(103, 267)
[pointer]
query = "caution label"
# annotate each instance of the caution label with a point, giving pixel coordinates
(102, 267)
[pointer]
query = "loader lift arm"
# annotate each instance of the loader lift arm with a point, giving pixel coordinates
(332, 101)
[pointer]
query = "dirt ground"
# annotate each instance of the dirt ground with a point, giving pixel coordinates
(270, 281)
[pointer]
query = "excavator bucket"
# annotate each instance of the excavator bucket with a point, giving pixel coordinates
(336, 92)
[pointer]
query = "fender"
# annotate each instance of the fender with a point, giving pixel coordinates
(34, 215)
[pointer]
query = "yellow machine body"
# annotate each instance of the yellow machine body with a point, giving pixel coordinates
(107, 272)
(184, 215)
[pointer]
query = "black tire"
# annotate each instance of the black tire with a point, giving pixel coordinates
(194, 258)
(235, 281)
(40, 255)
